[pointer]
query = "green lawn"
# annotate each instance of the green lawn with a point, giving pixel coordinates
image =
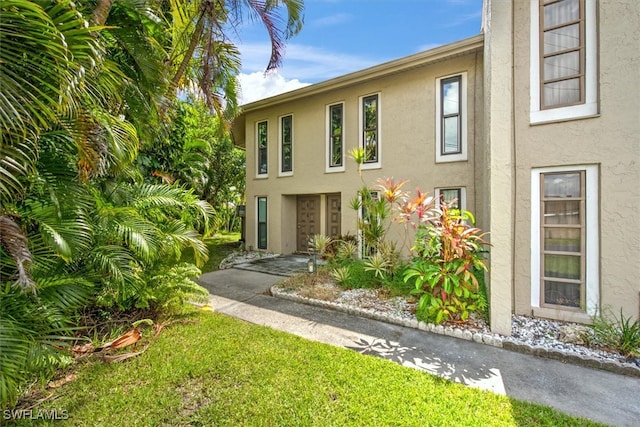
(222, 371)
(216, 370)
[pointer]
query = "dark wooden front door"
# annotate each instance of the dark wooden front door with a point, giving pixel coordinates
(308, 222)
(334, 219)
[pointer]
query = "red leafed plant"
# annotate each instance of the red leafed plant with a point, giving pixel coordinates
(448, 255)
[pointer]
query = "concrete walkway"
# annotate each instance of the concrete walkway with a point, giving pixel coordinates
(598, 395)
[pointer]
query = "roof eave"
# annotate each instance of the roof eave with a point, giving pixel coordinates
(416, 60)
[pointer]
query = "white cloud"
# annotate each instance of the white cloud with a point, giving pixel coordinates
(257, 85)
(331, 20)
(302, 66)
(303, 62)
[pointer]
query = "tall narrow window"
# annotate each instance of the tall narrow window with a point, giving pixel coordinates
(286, 145)
(563, 238)
(262, 148)
(370, 131)
(336, 137)
(451, 120)
(562, 57)
(262, 223)
(565, 255)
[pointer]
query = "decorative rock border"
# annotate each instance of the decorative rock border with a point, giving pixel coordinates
(495, 340)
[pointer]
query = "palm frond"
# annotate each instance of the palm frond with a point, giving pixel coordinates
(17, 160)
(67, 293)
(177, 236)
(114, 262)
(31, 330)
(14, 242)
(15, 349)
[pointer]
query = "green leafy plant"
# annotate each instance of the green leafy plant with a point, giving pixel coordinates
(449, 252)
(619, 334)
(376, 264)
(342, 274)
(320, 244)
(372, 219)
(172, 286)
(346, 250)
(447, 255)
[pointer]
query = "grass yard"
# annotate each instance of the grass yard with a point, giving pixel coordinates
(220, 371)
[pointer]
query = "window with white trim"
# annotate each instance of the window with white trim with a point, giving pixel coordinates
(455, 197)
(262, 148)
(451, 118)
(564, 239)
(262, 222)
(285, 159)
(563, 59)
(335, 138)
(370, 130)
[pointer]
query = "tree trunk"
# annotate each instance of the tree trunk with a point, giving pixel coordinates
(182, 69)
(101, 12)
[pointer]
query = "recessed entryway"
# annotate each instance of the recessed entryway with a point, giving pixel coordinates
(308, 220)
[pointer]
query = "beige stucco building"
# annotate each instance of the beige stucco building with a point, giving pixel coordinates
(536, 131)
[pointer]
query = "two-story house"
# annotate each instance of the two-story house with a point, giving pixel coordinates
(533, 125)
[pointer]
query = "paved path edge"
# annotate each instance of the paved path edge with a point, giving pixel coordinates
(487, 339)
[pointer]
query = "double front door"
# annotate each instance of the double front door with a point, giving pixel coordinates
(308, 218)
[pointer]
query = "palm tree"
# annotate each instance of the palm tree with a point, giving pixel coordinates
(76, 225)
(201, 52)
(45, 55)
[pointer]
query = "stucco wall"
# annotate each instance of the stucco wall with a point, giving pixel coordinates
(407, 135)
(610, 140)
(499, 139)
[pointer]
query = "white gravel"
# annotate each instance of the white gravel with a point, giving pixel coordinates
(533, 332)
(529, 332)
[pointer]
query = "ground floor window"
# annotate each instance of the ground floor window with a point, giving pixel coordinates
(262, 223)
(565, 238)
(454, 197)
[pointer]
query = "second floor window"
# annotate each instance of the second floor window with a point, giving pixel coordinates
(336, 145)
(563, 60)
(450, 136)
(451, 117)
(262, 148)
(286, 144)
(562, 52)
(370, 134)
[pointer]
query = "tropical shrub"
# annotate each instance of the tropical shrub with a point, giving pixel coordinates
(341, 248)
(84, 85)
(347, 250)
(36, 330)
(341, 274)
(377, 265)
(372, 222)
(319, 244)
(447, 255)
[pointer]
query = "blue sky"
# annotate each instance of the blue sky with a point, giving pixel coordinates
(343, 36)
